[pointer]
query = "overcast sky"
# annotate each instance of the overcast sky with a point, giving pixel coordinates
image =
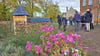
(69, 3)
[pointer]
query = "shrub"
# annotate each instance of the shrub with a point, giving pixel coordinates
(58, 44)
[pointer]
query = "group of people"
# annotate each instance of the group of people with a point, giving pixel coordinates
(86, 19)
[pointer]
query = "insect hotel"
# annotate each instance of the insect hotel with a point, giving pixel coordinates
(22, 20)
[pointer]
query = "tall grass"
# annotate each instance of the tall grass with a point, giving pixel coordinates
(5, 30)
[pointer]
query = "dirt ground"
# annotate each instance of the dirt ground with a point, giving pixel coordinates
(90, 39)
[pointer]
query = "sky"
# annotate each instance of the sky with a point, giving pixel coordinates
(68, 3)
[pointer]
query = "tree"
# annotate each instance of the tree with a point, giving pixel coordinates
(49, 9)
(32, 6)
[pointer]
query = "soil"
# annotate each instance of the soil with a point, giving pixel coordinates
(90, 39)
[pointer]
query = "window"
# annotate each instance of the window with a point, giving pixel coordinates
(84, 2)
(90, 2)
(99, 13)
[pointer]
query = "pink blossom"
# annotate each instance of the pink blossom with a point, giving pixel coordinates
(66, 41)
(77, 36)
(52, 29)
(48, 43)
(62, 37)
(57, 42)
(86, 48)
(41, 27)
(46, 54)
(43, 30)
(41, 36)
(62, 50)
(51, 26)
(61, 55)
(50, 35)
(38, 47)
(49, 50)
(67, 51)
(59, 31)
(69, 38)
(80, 43)
(46, 38)
(75, 54)
(29, 46)
(71, 34)
(46, 46)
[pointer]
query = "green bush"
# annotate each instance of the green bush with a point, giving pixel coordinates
(10, 50)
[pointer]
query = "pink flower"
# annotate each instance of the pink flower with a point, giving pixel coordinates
(52, 29)
(62, 37)
(50, 35)
(41, 36)
(69, 38)
(38, 48)
(67, 51)
(46, 54)
(62, 50)
(66, 41)
(61, 55)
(77, 36)
(41, 27)
(80, 43)
(71, 34)
(75, 54)
(49, 50)
(48, 43)
(43, 30)
(51, 26)
(86, 48)
(57, 42)
(28, 46)
(46, 46)
(46, 38)
(59, 31)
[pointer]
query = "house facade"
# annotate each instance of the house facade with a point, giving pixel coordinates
(70, 12)
(90, 4)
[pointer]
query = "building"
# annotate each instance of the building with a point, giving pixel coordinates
(70, 12)
(93, 4)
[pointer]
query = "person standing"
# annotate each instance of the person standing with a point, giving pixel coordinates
(71, 20)
(88, 17)
(59, 20)
(92, 20)
(64, 20)
(76, 19)
(83, 20)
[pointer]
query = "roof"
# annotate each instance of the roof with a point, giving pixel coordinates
(38, 19)
(20, 10)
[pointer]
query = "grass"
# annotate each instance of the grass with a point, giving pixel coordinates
(5, 30)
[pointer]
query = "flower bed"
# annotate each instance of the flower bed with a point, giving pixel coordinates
(58, 44)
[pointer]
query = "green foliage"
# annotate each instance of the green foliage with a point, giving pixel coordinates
(10, 50)
(5, 30)
(22, 39)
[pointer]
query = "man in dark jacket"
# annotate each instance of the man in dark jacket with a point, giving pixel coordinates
(76, 19)
(92, 19)
(59, 20)
(88, 17)
(64, 20)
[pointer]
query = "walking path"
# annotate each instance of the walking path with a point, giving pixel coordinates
(90, 39)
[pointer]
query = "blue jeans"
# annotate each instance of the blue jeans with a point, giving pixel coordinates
(71, 23)
(77, 26)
